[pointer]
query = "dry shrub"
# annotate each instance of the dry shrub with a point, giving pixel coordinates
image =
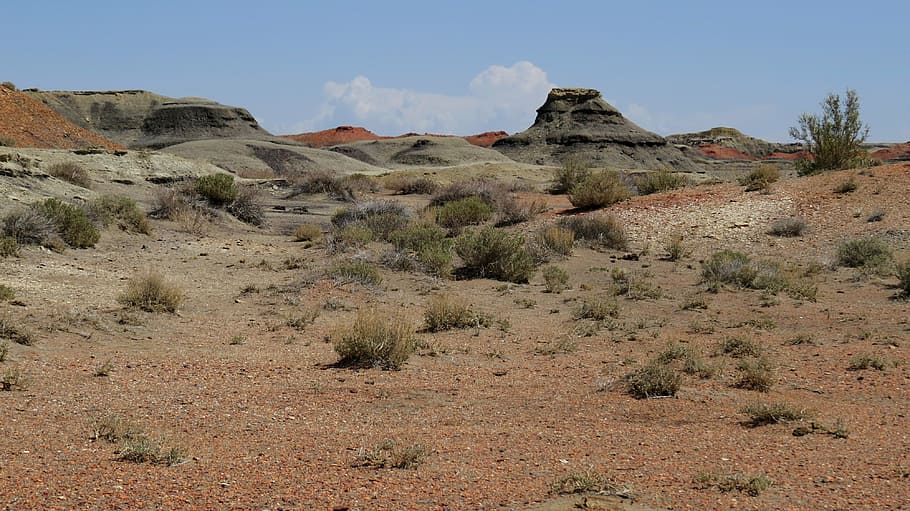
(9, 247)
(490, 191)
(597, 308)
(108, 209)
(427, 245)
(790, 227)
(599, 190)
(388, 454)
(556, 239)
(246, 206)
(761, 178)
(761, 414)
(655, 379)
(29, 227)
(573, 172)
(361, 183)
(322, 181)
(676, 248)
(381, 217)
(869, 253)
(903, 278)
(495, 254)
(556, 279)
(362, 272)
(71, 172)
(374, 340)
(71, 223)
(445, 313)
(151, 292)
(217, 189)
(463, 212)
(738, 269)
(597, 230)
(17, 334)
(660, 181)
(511, 210)
(755, 374)
(409, 184)
(308, 232)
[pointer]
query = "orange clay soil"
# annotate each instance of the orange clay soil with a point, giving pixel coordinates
(502, 411)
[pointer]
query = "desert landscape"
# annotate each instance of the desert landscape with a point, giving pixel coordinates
(196, 313)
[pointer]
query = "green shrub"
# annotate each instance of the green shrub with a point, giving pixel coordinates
(9, 247)
(556, 279)
(761, 177)
(869, 253)
(308, 232)
(108, 209)
(428, 245)
(750, 484)
(71, 172)
(597, 308)
(29, 227)
(18, 335)
(755, 374)
(6, 293)
(660, 181)
(345, 272)
(556, 239)
(246, 207)
(835, 138)
(737, 347)
(71, 223)
(603, 231)
(491, 253)
(903, 278)
(217, 189)
(655, 379)
(868, 361)
(150, 292)
(349, 236)
(374, 340)
(761, 414)
(789, 227)
(463, 212)
(443, 313)
(599, 190)
(572, 172)
(633, 285)
(381, 217)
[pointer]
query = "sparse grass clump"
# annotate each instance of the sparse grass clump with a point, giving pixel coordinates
(654, 379)
(790, 227)
(597, 308)
(27, 226)
(142, 449)
(381, 217)
(634, 285)
(750, 484)
(572, 172)
(407, 185)
(495, 254)
(755, 374)
(597, 230)
(864, 361)
(556, 279)
(490, 191)
(7, 141)
(13, 378)
(389, 454)
(738, 269)
(761, 178)
(71, 172)
(218, 189)
(761, 414)
(869, 253)
(4, 351)
(71, 223)
(556, 239)
(688, 360)
(444, 313)
(362, 272)
(587, 482)
(463, 212)
(598, 190)
(374, 340)
(9, 247)
(349, 236)
(903, 278)
(428, 246)
(246, 206)
(660, 181)
(152, 293)
(676, 248)
(17, 334)
(845, 187)
(308, 232)
(738, 347)
(107, 209)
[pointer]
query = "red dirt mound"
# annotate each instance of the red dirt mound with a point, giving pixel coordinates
(896, 152)
(347, 134)
(29, 123)
(719, 152)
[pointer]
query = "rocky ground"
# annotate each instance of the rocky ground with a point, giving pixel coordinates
(245, 385)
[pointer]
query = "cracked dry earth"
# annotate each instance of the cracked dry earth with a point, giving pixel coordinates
(502, 411)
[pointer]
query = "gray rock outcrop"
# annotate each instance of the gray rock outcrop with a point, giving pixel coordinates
(579, 123)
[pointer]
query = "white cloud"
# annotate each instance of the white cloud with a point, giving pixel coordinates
(499, 98)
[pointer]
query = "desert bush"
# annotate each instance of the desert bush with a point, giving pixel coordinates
(108, 209)
(13, 378)
(738, 269)
(444, 313)
(870, 253)
(660, 181)
(597, 308)
(597, 230)
(633, 285)
(6, 293)
(142, 449)
(113, 428)
(9, 331)
(28, 227)
(903, 278)
(863, 361)
(847, 186)
(834, 139)
(4, 351)
(321, 181)
(599, 190)
(374, 340)
(388, 454)
(556, 279)
(71, 223)
(877, 215)
(490, 191)
(761, 177)
(556, 239)
(408, 184)
(789, 227)
(572, 173)
(755, 374)
(7, 141)
(463, 212)
(689, 360)
(362, 272)
(495, 254)
(428, 245)
(587, 482)
(381, 217)
(308, 232)
(750, 484)
(511, 210)
(9, 247)
(761, 414)
(71, 172)
(246, 206)
(9, 85)
(349, 236)
(654, 379)
(150, 292)
(218, 189)
(738, 347)
(362, 183)
(676, 248)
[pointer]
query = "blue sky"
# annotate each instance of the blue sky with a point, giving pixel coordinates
(467, 66)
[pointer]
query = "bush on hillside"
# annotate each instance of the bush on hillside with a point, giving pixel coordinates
(495, 254)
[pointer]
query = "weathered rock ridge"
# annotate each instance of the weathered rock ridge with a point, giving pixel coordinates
(579, 123)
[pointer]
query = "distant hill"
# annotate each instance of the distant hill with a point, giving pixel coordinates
(348, 134)
(27, 122)
(731, 144)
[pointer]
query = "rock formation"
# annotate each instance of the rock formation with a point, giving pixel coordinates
(348, 134)
(732, 144)
(579, 123)
(139, 119)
